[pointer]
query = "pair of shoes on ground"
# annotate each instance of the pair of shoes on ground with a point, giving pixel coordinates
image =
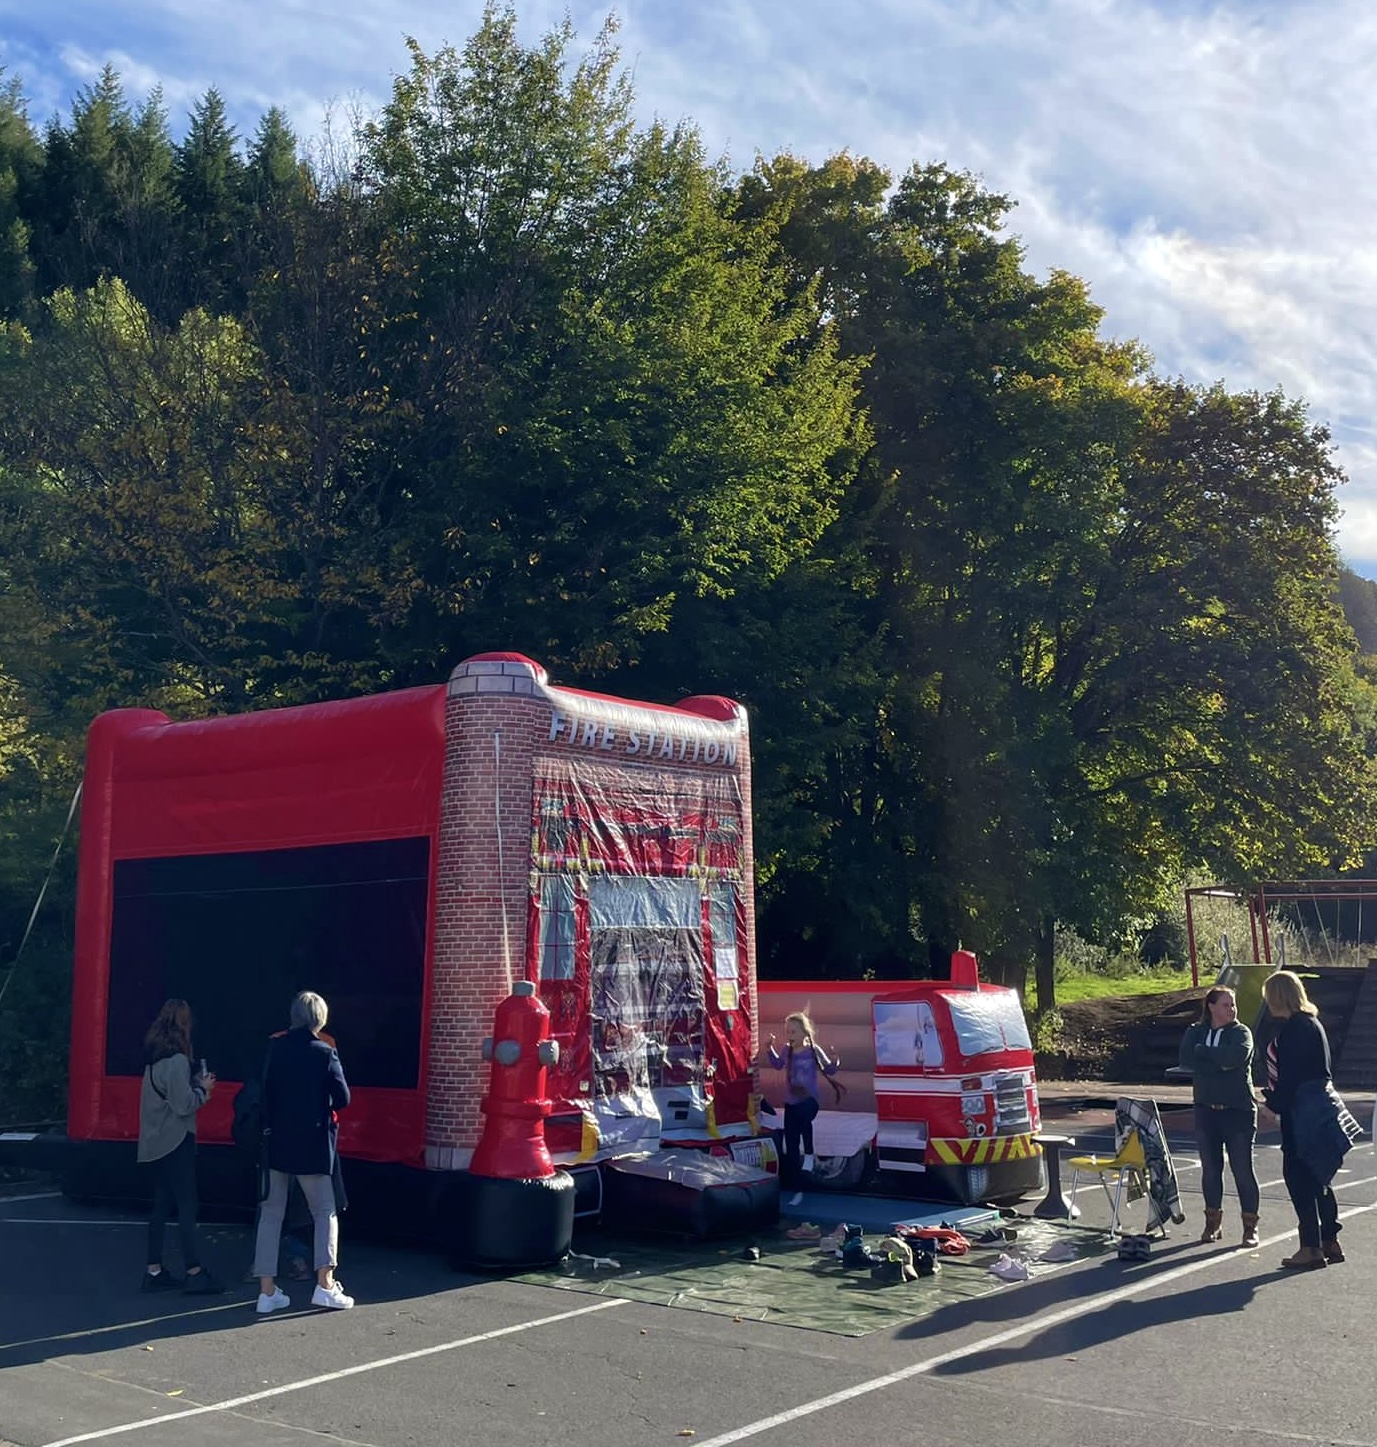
(1135, 1248)
(831, 1243)
(1059, 1251)
(1010, 1268)
(332, 1298)
(995, 1236)
(805, 1231)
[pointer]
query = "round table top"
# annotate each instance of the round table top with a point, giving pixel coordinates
(1053, 1138)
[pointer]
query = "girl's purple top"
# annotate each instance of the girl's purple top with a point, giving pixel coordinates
(801, 1067)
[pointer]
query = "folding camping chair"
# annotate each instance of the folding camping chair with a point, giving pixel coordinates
(1128, 1167)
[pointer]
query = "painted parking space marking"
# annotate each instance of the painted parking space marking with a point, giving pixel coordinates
(1014, 1333)
(34, 1341)
(65, 1221)
(325, 1378)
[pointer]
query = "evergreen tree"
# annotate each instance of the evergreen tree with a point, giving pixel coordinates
(208, 183)
(21, 159)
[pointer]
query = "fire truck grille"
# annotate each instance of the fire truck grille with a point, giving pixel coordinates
(1011, 1105)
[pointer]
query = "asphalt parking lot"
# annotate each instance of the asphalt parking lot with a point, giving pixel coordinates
(1198, 1344)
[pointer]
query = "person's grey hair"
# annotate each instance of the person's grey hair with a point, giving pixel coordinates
(309, 1012)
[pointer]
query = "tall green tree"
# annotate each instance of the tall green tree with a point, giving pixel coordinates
(1014, 507)
(102, 204)
(21, 159)
(622, 407)
(208, 181)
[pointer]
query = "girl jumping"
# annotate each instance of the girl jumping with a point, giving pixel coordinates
(801, 1061)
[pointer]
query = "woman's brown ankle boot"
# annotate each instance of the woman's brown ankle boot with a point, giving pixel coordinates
(1333, 1252)
(1308, 1258)
(1249, 1229)
(1214, 1225)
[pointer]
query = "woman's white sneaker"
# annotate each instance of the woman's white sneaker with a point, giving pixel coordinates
(272, 1303)
(331, 1296)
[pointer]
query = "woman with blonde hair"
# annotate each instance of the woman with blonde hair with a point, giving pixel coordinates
(303, 1087)
(1299, 1092)
(801, 1062)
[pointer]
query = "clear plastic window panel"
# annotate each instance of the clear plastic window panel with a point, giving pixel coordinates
(722, 919)
(988, 1021)
(906, 1034)
(556, 927)
(646, 948)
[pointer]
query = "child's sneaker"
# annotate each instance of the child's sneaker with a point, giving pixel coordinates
(1009, 1268)
(332, 1297)
(276, 1302)
(831, 1244)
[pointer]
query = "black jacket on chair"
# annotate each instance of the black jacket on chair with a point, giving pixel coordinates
(303, 1086)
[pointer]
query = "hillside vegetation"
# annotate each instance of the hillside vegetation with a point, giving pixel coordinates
(1029, 632)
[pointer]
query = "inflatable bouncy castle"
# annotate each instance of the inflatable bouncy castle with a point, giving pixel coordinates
(412, 856)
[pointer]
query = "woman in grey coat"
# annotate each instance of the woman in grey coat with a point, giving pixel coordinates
(169, 1098)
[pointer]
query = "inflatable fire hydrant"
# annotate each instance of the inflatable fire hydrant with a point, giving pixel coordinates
(512, 1209)
(513, 1141)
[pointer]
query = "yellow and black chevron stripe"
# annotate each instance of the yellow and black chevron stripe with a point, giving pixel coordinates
(984, 1151)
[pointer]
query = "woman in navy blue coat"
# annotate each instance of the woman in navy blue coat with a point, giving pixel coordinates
(303, 1087)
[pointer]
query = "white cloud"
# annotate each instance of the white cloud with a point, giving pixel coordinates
(1204, 167)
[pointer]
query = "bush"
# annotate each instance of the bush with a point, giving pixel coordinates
(35, 1022)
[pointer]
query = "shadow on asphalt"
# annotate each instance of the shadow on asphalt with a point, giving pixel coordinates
(1058, 1291)
(78, 1284)
(1115, 1322)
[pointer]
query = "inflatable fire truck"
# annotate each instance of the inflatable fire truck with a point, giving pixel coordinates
(940, 1089)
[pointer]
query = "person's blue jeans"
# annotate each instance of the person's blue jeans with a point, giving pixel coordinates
(1317, 1211)
(798, 1141)
(1232, 1131)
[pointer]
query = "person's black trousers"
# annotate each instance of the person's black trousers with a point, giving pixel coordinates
(1317, 1212)
(174, 1190)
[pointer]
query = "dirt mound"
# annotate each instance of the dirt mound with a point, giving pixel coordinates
(1123, 1037)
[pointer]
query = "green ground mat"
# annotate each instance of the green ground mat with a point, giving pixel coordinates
(791, 1284)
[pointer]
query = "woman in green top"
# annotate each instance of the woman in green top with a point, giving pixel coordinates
(1218, 1052)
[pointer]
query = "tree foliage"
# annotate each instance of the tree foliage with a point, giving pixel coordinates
(1028, 631)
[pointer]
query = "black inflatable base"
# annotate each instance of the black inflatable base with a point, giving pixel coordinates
(494, 1224)
(649, 1204)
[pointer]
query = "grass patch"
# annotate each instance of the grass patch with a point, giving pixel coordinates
(1079, 986)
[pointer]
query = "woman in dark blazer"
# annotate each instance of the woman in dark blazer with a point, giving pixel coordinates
(1298, 1068)
(303, 1087)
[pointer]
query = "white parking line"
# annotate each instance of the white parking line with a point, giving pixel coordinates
(38, 1196)
(1027, 1328)
(119, 1326)
(326, 1377)
(65, 1221)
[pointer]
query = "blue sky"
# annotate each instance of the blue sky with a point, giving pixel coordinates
(1204, 167)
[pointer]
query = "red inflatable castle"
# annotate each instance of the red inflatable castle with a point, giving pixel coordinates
(411, 856)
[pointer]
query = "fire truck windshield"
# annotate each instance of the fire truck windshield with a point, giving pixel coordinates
(988, 1020)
